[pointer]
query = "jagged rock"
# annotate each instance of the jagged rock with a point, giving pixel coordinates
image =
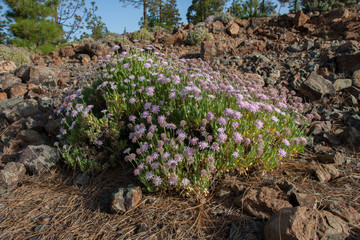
(217, 27)
(263, 202)
(7, 66)
(337, 15)
(233, 29)
(341, 84)
(356, 78)
(3, 96)
(40, 74)
(326, 172)
(347, 213)
(126, 198)
(303, 223)
(11, 174)
(7, 80)
(17, 90)
(67, 52)
(29, 136)
(303, 199)
(38, 159)
(316, 86)
(97, 48)
(22, 109)
(83, 58)
(210, 49)
(300, 19)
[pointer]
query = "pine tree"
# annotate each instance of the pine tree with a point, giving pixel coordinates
(294, 6)
(3, 25)
(95, 25)
(252, 8)
(326, 5)
(201, 9)
(171, 16)
(34, 22)
(163, 13)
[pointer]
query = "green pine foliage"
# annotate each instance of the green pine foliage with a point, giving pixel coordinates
(252, 8)
(94, 25)
(33, 24)
(201, 9)
(326, 5)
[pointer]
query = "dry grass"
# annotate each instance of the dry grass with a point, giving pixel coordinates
(51, 207)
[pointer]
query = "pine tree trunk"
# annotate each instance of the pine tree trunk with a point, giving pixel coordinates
(145, 13)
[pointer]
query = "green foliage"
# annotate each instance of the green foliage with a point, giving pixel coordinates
(201, 9)
(162, 13)
(197, 36)
(16, 54)
(34, 24)
(252, 8)
(94, 24)
(224, 17)
(294, 6)
(142, 35)
(178, 122)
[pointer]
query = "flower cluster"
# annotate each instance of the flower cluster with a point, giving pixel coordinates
(179, 122)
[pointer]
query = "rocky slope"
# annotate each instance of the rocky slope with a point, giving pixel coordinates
(317, 55)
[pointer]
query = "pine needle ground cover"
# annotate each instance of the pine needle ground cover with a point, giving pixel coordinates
(179, 123)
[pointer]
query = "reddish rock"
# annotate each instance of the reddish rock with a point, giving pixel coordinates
(243, 23)
(217, 27)
(3, 96)
(29, 136)
(67, 52)
(211, 49)
(17, 90)
(263, 202)
(173, 39)
(300, 19)
(233, 29)
(7, 66)
(356, 78)
(97, 48)
(54, 54)
(12, 173)
(83, 58)
(303, 199)
(337, 15)
(303, 223)
(57, 62)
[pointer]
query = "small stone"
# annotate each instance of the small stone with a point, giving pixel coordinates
(303, 199)
(12, 173)
(81, 179)
(126, 198)
(23, 109)
(7, 66)
(7, 80)
(3, 96)
(326, 172)
(341, 84)
(316, 86)
(17, 90)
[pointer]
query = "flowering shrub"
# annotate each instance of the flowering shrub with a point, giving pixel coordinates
(224, 17)
(16, 54)
(195, 37)
(142, 35)
(177, 121)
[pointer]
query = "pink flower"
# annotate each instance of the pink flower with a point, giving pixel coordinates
(259, 124)
(282, 152)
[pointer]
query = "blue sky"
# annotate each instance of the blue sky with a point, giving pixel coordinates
(116, 17)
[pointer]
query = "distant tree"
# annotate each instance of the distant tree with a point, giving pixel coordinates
(201, 9)
(252, 8)
(4, 37)
(33, 22)
(163, 13)
(294, 6)
(282, 4)
(94, 24)
(70, 15)
(138, 4)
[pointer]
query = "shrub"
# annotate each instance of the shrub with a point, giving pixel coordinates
(195, 37)
(142, 35)
(16, 54)
(178, 122)
(224, 17)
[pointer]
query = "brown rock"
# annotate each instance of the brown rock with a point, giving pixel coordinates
(300, 19)
(303, 199)
(316, 86)
(210, 49)
(17, 90)
(337, 15)
(7, 66)
(303, 223)
(39, 74)
(67, 52)
(57, 62)
(126, 198)
(83, 58)
(11, 175)
(341, 84)
(347, 213)
(326, 172)
(244, 23)
(54, 54)
(356, 78)
(263, 202)
(233, 29)
(7, 80)
(3, 96)
(217, 27)
(29, 136)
